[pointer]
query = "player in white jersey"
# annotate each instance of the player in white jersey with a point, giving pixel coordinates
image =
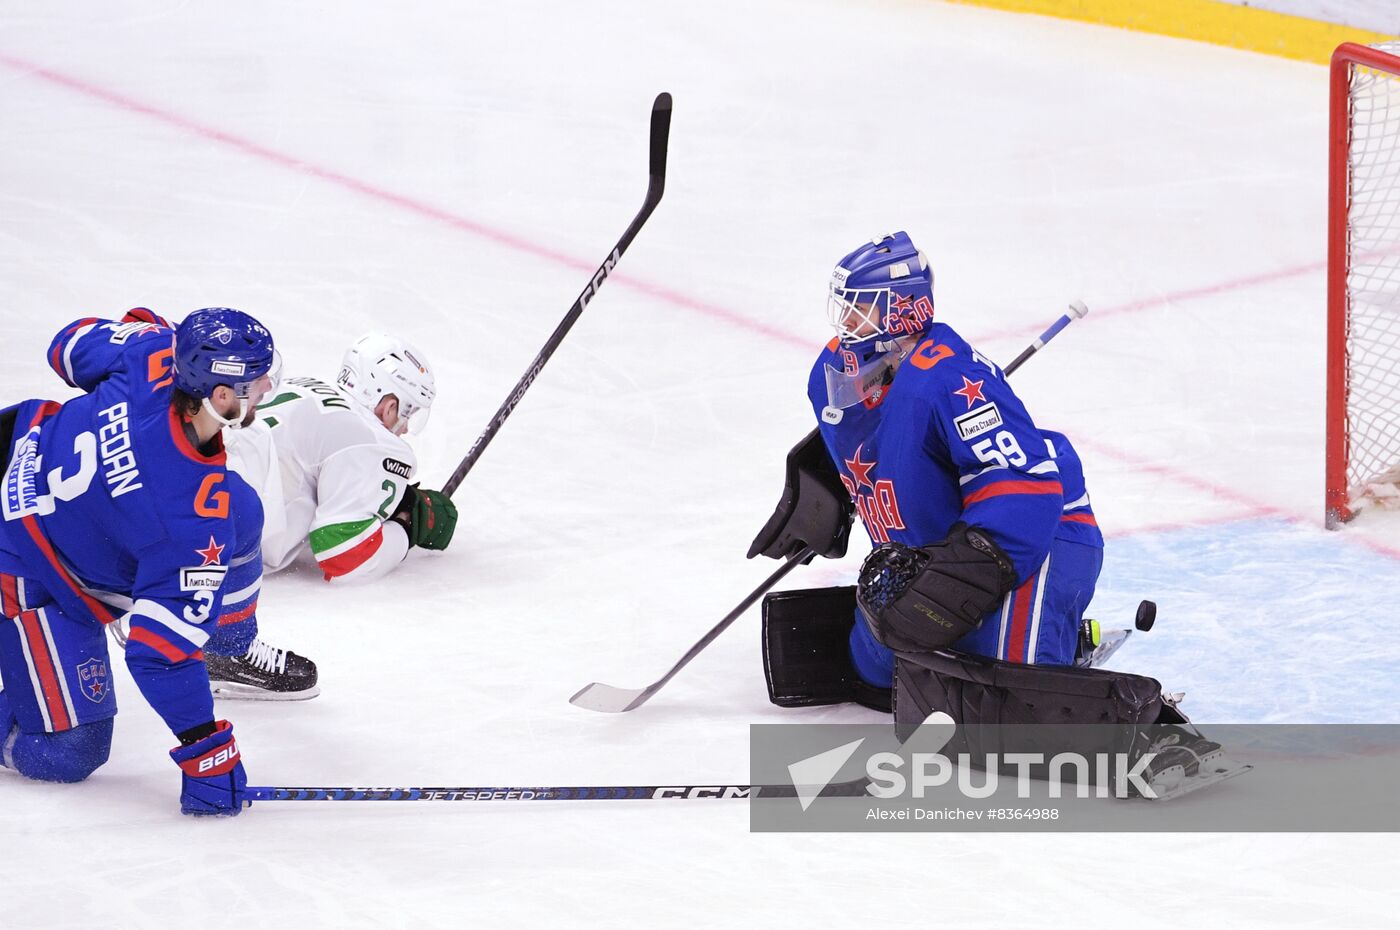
(335, 476)
(334, 471)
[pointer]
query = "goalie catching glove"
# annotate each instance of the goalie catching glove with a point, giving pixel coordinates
(430, 517)
(916, 600)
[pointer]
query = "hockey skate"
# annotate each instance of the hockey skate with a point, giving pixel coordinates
(1097, 646)
(1184, 759)
(263, 673)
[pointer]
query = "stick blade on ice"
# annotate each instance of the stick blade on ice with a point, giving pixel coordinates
(609, 700)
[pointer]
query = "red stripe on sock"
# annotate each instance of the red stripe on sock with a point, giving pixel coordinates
(139, 634)
(239, 615)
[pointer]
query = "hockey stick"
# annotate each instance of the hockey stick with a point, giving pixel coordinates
(656, 186)
(552, 793)
(609, 699)
(930, 736)
(1077, 311)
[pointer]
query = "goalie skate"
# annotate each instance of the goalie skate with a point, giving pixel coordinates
(1185, 762)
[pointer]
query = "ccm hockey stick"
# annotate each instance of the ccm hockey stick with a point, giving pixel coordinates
(656, 186)
(551, 793)
(811, 778)
(609, 699)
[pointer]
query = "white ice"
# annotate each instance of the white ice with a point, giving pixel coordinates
(454, 172)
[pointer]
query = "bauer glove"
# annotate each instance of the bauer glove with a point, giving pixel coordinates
(214, 782)
(918, 600)
(429, 516)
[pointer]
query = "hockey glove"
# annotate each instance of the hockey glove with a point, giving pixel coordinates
(213, 774)
(429, 516)
(918, 600)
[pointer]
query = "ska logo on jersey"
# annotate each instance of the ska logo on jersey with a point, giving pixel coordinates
(879, 506)
(971, 391)
(92, 676)
(210, 553)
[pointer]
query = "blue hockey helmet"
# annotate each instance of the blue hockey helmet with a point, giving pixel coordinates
(881, 290)
(220, 345)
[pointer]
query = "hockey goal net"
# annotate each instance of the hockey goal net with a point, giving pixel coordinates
(1363, 282)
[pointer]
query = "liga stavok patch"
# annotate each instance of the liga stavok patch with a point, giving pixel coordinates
(978, 421)
(203, 578)
(221, 367)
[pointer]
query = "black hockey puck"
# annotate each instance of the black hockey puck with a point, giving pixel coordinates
(1146, 616)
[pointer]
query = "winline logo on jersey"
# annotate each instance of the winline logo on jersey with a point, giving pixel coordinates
(941, 777)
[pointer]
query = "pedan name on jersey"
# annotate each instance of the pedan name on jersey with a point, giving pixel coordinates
(978, 421)
(118, 462)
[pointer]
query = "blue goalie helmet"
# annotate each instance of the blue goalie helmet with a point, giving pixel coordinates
(220, 345)
(879, 293)
(883, 289)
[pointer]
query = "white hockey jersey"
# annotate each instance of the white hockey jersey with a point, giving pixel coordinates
(329, 475)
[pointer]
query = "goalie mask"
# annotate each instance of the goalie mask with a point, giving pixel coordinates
(377, 365)
(879, 293)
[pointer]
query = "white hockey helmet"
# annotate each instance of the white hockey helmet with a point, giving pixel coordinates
(378, 364)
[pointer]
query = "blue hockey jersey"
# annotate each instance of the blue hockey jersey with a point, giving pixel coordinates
(948, 441)
(107, 500)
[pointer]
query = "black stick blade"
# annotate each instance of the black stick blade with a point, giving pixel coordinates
(660, 134)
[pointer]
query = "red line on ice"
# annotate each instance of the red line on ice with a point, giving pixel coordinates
(457, 221)
(676, 298)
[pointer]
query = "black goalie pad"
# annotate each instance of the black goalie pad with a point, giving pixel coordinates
(1001, 707)
(806, 650)
(815, 510)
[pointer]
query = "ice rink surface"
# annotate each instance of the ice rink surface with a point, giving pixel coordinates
(454, 172)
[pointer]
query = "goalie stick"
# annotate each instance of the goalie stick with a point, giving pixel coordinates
(610, 699)
(656, 186)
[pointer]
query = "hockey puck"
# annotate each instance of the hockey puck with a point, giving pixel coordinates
(1146, 616)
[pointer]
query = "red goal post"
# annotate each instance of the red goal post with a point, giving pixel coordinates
(1363, 280)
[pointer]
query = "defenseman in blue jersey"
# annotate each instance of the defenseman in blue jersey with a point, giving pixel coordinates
(939, 456)
(117, 504)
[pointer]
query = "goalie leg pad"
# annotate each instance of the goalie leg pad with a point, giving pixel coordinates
(806, 651)
(1003, 707)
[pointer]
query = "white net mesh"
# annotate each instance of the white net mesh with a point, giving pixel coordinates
(1373, 279)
